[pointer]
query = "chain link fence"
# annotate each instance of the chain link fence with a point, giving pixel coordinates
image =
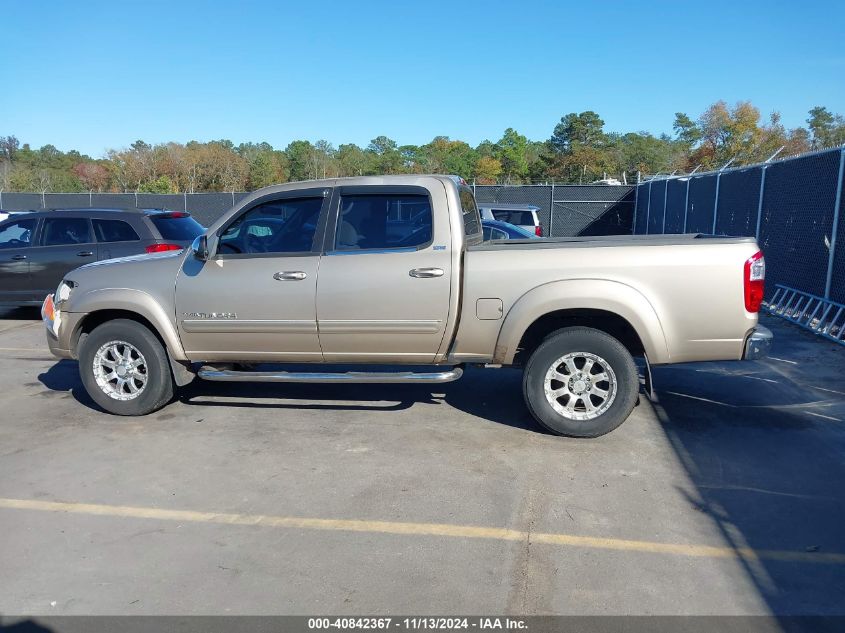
(794, 208)
(565, 210)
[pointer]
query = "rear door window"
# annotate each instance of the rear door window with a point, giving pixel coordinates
(114, 231)
(179, 227)
(383, 221)
(64, 231)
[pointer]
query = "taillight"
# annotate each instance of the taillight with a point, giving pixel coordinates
(159, 248)
(754, 277)
(538, 231)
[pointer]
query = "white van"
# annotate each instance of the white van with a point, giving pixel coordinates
(521, 215)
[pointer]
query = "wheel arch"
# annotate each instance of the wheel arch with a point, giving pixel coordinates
(105, 305)
(608, 306)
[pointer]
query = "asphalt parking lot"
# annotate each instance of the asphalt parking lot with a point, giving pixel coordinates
(725, 497)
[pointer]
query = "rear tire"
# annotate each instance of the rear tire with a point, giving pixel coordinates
(580, 382)
(124, 368)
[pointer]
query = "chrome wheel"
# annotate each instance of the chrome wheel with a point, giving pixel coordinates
(580, 386)
(120, 370)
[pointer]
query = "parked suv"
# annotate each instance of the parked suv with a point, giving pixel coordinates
(522, 215)
(37, 249)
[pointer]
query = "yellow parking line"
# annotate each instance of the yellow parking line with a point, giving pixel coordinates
(426, 529)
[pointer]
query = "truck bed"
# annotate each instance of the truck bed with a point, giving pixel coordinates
(609, 241)
(689, 286)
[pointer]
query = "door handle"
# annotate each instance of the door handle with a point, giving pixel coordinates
(290, 275)
(18, 258)
(85, 253)
(426, 273)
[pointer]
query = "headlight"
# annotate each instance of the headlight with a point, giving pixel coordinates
(63, 291)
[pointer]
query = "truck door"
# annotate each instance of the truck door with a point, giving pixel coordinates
(254, 299)
(384, 284)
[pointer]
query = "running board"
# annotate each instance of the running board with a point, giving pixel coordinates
(227, 375)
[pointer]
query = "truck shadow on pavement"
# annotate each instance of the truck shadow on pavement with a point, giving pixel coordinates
(763, 447)
(24, 625)
(63, 376)
(492, 395)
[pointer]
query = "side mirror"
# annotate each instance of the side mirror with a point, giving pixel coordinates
(200, 248)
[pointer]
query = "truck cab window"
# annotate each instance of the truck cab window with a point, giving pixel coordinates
(278, 226)
(383, 222)
(471, 216)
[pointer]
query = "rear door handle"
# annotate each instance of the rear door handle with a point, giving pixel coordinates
(290, 275)
(426, 273)
(85, 253)
(18, 258)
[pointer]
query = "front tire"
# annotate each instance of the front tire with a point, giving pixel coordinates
(124, 368)
(580, 382)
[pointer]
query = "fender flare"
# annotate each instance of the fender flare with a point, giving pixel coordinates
(573, 294)
(137, 302)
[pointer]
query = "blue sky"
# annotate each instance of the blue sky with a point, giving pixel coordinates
(96, 75)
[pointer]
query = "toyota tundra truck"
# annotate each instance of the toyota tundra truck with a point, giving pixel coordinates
(392, 272)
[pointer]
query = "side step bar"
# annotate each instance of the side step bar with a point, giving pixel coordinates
(210, 373)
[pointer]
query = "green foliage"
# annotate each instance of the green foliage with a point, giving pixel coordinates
(161, 184)
(387, 159)
(299, 158)
(262, 171)
(487, 170)
(579, 150)
(578, 130)
(827, 129)
(444, 156)
(513, 155)
(352, 160)
(641, 151)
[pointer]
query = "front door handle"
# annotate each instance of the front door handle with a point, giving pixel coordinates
(85, 253)
(290, 275)
(426, 273)
(18, 258)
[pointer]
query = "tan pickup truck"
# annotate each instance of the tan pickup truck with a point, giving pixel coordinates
(393, 271)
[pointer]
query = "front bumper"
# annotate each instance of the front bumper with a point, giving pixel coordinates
(52, 318)
(757, 345)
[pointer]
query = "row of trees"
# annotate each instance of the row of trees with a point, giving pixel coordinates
(579, 150)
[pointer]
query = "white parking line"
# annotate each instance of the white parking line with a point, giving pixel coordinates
(783, 360)
(826, 417)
